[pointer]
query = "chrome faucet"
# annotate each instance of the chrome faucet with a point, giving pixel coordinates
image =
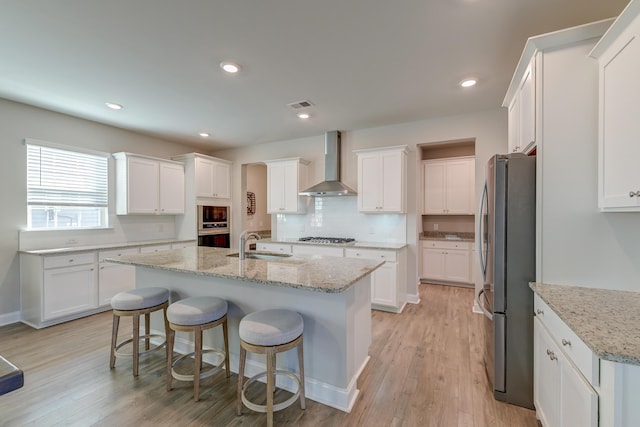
(244, 236)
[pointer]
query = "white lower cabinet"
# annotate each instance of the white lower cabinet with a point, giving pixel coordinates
(445, 261)
(566, 373)
(114, 278)
(388, 283)
(57, 288)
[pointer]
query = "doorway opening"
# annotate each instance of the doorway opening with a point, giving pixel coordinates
(254, 206)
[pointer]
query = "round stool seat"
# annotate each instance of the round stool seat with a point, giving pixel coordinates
(139, 298)
(196, 310)
(271, 327)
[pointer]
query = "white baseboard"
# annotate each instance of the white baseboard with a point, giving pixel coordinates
(9, 318)
(476, 308)
(413, 298)
(327, 394)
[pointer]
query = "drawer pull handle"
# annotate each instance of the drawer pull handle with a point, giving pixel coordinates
(566, 342)
(540, 312)
(551, 355)
(71, 260)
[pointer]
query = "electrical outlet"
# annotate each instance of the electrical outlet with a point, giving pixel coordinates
(435, 227)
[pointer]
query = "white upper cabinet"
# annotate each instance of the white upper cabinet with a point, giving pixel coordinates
(522, 111)
(145, 185)
(618, 54)
(213, 178)
(382, 176)
(285, 179)
(449, 186)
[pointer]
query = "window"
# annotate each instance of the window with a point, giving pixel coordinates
(65, 189)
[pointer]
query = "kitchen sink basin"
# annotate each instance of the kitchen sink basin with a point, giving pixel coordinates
(262, 256)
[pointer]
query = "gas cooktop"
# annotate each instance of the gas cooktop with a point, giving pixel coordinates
(328, 240)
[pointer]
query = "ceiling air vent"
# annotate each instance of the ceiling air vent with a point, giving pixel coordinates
(300, 104)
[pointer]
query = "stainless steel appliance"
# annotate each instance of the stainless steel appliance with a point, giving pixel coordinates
(507, 258)
(213, 226)
(328, 240)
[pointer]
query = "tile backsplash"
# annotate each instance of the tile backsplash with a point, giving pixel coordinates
(339, 217)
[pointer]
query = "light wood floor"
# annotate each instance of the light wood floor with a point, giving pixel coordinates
(425, 370)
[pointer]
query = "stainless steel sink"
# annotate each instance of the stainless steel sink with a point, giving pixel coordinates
(262, 256)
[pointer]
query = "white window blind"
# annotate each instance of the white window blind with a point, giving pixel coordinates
(65, 178)
(65, 188)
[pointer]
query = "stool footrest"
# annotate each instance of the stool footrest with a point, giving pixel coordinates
(141, 353)
(278, 406)
(203, 374)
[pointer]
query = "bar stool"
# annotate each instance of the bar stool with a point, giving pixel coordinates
(135, 303)
(196, 314)
(270, 332)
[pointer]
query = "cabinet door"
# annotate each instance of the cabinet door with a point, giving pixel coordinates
(578, 401)
(142, 186)
(114, 278)
(391, 185)
(459, 187)
(275, 188)
(69, 290)
(204, 177)
(384, 286)
(222, 181)
(433, 263)
(369, 181)
(527, 97)
(289, 187)
(620, 128)
(434, 187)
(546, 380)
(171, 188)
(514, 125)
(457, 265)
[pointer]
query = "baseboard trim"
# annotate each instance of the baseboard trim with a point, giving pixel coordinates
(413, 298)
(9, 318)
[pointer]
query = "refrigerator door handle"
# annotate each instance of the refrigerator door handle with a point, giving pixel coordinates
(480, 235)
(481, 305)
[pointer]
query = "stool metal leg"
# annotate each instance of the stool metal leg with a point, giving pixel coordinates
(243, 359)
(114, 339)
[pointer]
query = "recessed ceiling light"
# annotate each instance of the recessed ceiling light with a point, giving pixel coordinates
(303, 116)
(468, 82)
(203, 134)
(230, 67)
(113, 105)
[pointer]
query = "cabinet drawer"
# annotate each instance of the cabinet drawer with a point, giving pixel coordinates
(114, 253)
(444, 244)
(567, 340)
(273, 247)
(371, 254)
(69, 260)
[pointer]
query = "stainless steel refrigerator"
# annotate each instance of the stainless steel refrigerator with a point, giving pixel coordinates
(506, 238)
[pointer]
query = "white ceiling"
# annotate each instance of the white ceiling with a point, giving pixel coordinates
(363, 63)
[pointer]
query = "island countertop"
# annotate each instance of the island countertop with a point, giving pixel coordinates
(606, 320)
(313, 273)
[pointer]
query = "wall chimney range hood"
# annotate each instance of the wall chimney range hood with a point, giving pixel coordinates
(331, 186)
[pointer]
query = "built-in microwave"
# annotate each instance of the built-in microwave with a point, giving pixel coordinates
(213, 219)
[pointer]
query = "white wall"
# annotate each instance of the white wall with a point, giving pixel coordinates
(579, 245)
(488, 128)
(19, 121)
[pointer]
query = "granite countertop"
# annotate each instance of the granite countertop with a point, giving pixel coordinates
(314, 273)
(363, 245)
(446, 235)
(74, 249)
(608, 321)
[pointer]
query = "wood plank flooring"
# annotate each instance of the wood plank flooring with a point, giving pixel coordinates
(425, 370)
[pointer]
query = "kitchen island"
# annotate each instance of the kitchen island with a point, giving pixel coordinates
(332, 294)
